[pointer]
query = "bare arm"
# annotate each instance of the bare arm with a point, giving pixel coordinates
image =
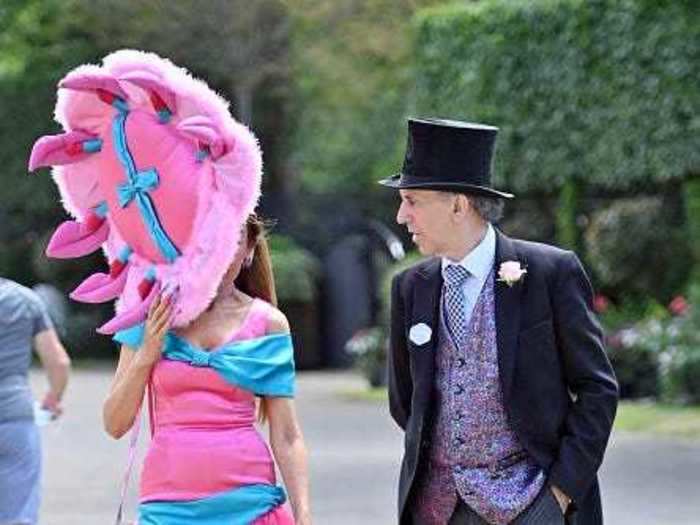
(126, 393)
(56, 362)
(133, 371)
(287, 440)
(290, 453)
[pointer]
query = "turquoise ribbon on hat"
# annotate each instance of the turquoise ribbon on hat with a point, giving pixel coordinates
(138, 185)
(145, 182)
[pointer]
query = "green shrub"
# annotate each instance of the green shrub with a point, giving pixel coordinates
(637, 371)
(634, 346)
(296, 270)
(681, 363)
(599, 91)
(691, 190)
(635, 246)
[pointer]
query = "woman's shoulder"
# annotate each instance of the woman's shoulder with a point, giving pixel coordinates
(276, 321)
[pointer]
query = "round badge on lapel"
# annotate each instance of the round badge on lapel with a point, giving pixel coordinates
(420, 334)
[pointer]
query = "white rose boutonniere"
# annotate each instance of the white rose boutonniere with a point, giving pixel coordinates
(420, 333)
(510, 272)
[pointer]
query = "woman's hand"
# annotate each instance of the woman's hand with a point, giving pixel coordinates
(158, 322)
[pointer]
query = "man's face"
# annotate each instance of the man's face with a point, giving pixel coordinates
(427, 215)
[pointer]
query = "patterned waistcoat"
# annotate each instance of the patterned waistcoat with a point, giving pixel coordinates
(474, 454)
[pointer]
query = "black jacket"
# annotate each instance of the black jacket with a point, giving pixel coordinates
(559, 390)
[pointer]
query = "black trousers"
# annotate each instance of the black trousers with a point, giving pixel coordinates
(544, 510)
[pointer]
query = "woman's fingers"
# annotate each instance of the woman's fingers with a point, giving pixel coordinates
(162, 323)
(163, 303)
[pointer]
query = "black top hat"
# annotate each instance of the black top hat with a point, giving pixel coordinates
(448, 155)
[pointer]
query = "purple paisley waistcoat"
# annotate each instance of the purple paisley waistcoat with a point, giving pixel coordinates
(474, 453)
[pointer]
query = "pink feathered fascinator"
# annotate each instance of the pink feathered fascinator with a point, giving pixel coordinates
(154, 170)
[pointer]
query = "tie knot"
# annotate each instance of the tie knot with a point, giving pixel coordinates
(455, 275)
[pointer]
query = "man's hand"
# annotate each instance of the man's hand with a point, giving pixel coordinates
(563, 500)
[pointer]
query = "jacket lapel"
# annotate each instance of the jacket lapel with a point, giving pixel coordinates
(507, 313)
(426, 308)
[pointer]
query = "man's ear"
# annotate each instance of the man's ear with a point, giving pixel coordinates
(460, 205)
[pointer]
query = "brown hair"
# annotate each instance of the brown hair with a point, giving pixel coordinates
(257, 279)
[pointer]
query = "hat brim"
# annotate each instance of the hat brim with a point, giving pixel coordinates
(397, 182)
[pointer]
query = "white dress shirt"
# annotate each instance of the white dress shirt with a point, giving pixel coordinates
(478, 263)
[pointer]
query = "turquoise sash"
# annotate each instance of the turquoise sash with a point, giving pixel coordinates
(240, 506)
(264, 365)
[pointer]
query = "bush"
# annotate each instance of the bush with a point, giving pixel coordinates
(296, 270)
(691, 190)
(368, 348)
(633, 346)
(681, 362)
(636, 364)
(635, 246)
(598, 91)
(659, 356)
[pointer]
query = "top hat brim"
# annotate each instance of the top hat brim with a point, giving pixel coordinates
(400, 182)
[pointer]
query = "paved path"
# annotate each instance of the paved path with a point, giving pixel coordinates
(354, 456)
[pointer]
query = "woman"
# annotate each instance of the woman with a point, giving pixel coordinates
(24, 324)
(206, 462)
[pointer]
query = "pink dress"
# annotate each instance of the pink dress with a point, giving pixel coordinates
(207, 463)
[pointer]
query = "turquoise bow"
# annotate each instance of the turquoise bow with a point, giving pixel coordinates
(144, 182)
(200, 357)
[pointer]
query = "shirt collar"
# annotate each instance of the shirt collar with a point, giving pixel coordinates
(479, 261)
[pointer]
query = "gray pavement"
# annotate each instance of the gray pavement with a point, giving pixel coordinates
(354, 458)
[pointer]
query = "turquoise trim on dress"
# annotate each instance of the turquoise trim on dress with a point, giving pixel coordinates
(138, 185)
(263, 365)
(240, 506)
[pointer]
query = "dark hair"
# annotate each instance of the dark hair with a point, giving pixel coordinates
(489, 208)
(257, 279)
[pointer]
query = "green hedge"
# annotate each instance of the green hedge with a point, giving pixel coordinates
(600, 91)
(296, 270)
(637, 248)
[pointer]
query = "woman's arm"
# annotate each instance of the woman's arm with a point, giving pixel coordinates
(287, 440)
(126, 393)
(56, 362)
(133, 371)
(290, 453)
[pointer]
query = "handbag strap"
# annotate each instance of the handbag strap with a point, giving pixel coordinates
(133, 442)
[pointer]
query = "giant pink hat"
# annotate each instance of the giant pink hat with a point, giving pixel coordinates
(156, 172)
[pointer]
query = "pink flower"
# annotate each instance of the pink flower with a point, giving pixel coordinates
(600, 303)
(510, 272)
(678, 306)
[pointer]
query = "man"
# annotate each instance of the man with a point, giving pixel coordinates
(497, 371)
